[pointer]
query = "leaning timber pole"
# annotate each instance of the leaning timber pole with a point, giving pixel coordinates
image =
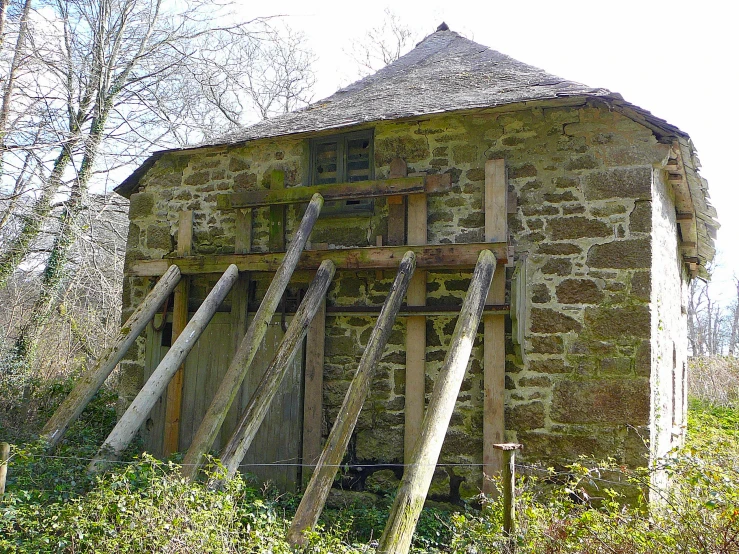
(396, 539)
(122, 434)
(239, 367)
(323, 476)
(248, 425)
(90, 383)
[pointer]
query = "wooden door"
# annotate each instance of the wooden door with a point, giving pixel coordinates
(275, 453)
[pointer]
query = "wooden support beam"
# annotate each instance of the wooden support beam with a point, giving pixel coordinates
(127, 427)
(277, 215)
(415, 338)
(433, 256)
(313, 395)
(395, 186)
(72, 406)
(241, 362)
(255, 412)
(508, 451)
(179, 321)
(317, 491)
(414, 486)
(493, 422)
(243, 231)
(396, 206)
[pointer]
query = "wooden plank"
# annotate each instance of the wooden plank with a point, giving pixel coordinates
(313, 395)
(493, 424)
(317, 491)
(277, 215)
(415, 357)
(396, 206)
(173, 409)
(414, 486)
(243, 231)
(433, 256)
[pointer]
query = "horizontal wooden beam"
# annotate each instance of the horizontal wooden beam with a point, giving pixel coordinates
(432, 256)
(429, 184)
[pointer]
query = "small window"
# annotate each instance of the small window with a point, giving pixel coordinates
(345, 158)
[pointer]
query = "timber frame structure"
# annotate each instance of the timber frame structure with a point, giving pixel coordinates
(542, 233)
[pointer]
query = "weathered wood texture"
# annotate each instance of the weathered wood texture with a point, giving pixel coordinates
(126, 428)
(433, 256)
(90, 383)
(395, 186)
(313, 395)
(508, 451)
(415, 339)
(4, 457)
(277, 215)
(396, 206)
(493, 423)
(396, 538)
(244, 356)
(249, 422)
(317, 491)
(179, 321)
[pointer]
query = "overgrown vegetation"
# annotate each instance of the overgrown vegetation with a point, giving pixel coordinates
(52, 506)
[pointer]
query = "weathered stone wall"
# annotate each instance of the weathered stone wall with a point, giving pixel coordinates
(583, 179)
(669, 326)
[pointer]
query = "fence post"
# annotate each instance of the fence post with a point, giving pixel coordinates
(509, 486)
(4, 456)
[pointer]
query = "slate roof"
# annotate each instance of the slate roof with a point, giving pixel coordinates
(445, 72)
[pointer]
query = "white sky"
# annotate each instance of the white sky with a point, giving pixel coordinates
(677, 59)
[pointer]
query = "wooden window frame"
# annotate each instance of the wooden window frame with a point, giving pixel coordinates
(364, 207)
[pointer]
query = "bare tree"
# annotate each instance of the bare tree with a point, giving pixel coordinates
(382, 45)
(734, 336)
(116, 78)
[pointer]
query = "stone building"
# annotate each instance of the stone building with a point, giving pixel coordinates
(607, 220)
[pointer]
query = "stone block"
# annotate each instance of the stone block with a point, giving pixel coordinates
(547, 344)
(633, 182)
(383, 481)
(524, 417)
(615, 366)
(537, 381)
(557, 266)
(548, 365)
(411, 149)
(579, 291)
(613, 401)
(141, 205)
(621, 254)
(522, 171)
(640, 220)
(560, 448)
(158, 237)
(197, 178)
(581, 162)
(578, 227)
(618, 322)
(641, 285)
(559, 249)
(550, 321)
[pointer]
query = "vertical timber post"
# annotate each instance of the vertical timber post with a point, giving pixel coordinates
(179, 321)
(493, 423)
(415, 342)
(313, 395)
(277, 215)
(396, 206)
(4, 457)
(508, 451)
(317, 490)
(396, 538)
